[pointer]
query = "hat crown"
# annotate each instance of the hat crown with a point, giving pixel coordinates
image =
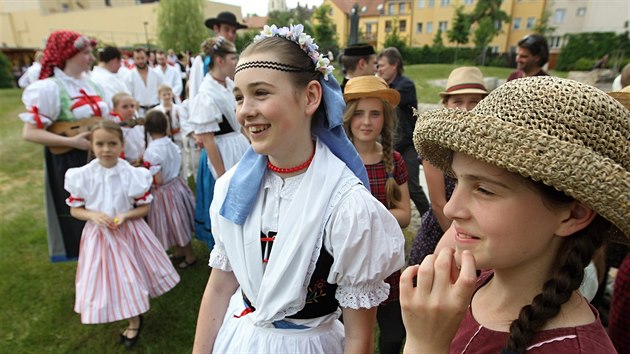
(567, 110)
(370, 86)
(465, 79)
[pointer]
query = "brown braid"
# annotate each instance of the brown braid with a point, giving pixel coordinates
(574, 255)
(392, 189)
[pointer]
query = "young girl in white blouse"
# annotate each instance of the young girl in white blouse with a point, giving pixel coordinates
(121, 263)
(172, 214)
(124, 113)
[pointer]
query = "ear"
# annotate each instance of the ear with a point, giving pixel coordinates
(576, 218)
(361, 64)
(313, 93)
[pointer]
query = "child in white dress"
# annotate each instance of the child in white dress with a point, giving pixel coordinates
(124, 113)
(172, 214)
(121, 263)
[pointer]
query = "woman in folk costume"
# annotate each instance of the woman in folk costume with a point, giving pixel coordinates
(64, 93)
(121, 263)
(298, 235)
(215, 126)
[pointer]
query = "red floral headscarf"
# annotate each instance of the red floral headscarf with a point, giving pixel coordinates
(61, 46)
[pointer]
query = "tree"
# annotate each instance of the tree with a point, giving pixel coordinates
(300, 14)
(324, 31)
(489, 18)
(180, 24)
(460, 30)
(438, 42)
(6, 73)
(393, 39)
(244, 38)
(542, 24)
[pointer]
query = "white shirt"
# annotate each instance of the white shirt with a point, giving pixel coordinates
(112, 190)
(146, 94)
(30, 75)
(163, 156)
(172, 77)
(178, 114)
(110, 83)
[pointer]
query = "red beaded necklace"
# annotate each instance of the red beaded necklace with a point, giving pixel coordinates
(301, 167)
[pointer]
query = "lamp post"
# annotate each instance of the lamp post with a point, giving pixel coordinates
(146, 34)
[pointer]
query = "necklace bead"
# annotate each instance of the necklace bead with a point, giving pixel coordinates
(298, 168)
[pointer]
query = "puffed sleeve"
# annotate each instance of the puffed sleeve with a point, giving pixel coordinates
(74, 183)
(361, 225)
(42, 103)
(139, 186)
(153, 160)
(204, 113)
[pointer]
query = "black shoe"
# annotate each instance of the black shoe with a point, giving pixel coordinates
(129, 342)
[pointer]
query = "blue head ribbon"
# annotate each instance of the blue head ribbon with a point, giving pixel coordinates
(206, 64)
(247, 178)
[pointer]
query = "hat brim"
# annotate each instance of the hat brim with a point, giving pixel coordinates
(390, 95)
(445, 94)
(622, 96)
(578, 171)
(211, 22)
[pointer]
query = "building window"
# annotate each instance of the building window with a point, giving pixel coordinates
(443, 25)
(555, 42)
(497, 25)
(516, 25)
(419, 27)
(388, 26)
(431, 3)
(421, 4)
(391, 9)
(401, 8)
(558, 16)
(495, 49)
(429, 27)
(469, 2)
(531, 22)
(445, 3)
(368, 29)
(402, 26)
(581, 11)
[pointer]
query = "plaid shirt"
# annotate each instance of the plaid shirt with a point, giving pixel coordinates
(619, 316)
(378, 177)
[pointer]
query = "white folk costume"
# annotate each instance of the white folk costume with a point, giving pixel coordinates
(297, 283)
(145, 93)
(172, 213)
(172, 77)
(118, 269)
(61, 98)
(174, 117)
(213, 110)
(30, 75)
(191, 151)
(110, 82)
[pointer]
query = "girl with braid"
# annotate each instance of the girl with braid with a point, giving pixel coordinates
(369, 121)
(541, 168)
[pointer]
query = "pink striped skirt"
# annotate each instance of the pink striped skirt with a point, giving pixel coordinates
(119, 270)
(172, 213)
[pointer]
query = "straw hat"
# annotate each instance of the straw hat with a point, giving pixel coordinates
(566, 134)
(370, 86)
(622, 96)
(463, 80)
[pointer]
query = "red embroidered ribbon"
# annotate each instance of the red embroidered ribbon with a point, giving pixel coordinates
(247, 310)
(144, 197)
(38, 119)
(114, 114)
(92, 101)
(72, 199)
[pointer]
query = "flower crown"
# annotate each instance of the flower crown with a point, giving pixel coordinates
(296, 34)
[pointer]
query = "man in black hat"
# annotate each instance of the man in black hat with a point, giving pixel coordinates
(358, 60)
(225, 25)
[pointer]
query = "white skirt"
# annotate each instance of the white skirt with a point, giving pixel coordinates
(231, 146)
(119, 270)
(172, 213)
(240, 335)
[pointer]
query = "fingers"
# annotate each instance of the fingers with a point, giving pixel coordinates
(406, 286)
(465, 284)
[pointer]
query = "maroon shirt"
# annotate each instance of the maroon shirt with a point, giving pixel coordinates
(471, 337)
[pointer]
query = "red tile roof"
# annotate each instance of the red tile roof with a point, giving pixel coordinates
(370, 6)
(255, 22)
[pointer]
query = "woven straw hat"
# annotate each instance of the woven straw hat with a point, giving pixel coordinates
(566, 134)
(370, 86)
(463, 80)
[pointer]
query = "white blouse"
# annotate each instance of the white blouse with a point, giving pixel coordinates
(111, 191)
(43, 96)
(212, 103)
(164, 156)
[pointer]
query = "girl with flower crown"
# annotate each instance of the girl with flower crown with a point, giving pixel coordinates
(299, 238)
(541, 167)
(215, 127)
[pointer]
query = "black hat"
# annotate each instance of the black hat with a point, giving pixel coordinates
(359, 50)
(224, 17)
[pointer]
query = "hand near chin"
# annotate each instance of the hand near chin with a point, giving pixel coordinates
(433, 309)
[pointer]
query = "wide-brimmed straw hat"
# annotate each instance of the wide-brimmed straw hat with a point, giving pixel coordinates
(622, 96)
(225, 17)
(463, 80)
(566, 134)
(370, 86)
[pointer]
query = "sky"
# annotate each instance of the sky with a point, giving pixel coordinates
(259, 7)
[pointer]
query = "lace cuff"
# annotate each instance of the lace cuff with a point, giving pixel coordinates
(212, 127)
(219, 260)
(366, 296)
